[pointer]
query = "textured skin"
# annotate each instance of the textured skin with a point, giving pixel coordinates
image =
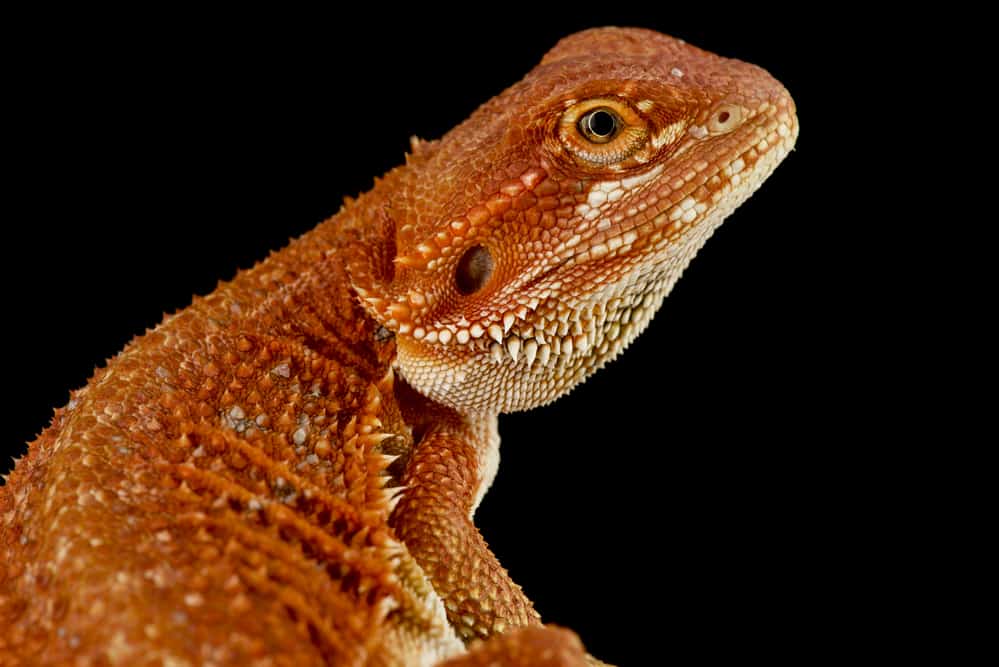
(229, 489)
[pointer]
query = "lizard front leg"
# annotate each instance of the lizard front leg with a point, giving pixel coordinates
(450, 468)
(527, 647)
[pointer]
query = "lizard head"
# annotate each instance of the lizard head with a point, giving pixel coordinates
(534, 241)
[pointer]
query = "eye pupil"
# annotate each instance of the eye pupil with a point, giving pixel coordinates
(474, 269)
(600, 125)
(723, 117)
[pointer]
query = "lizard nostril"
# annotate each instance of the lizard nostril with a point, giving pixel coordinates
(725, 119)
(474, 269)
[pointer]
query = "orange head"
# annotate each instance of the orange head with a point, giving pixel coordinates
(537, 238)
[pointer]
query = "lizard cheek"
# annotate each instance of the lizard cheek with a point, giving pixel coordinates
(474, 270)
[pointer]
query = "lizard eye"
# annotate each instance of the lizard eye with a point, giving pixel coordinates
(599, 125)
(474, 269)
(602, 131)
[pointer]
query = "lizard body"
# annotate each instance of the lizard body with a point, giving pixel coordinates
(286, 471)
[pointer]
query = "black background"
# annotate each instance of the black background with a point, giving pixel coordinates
(705, 494)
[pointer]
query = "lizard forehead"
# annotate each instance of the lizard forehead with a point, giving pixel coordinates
(631, 57)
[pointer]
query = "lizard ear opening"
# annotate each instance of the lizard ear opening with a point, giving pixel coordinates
(473, 270)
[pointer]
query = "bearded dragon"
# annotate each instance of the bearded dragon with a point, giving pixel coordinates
(286, 471)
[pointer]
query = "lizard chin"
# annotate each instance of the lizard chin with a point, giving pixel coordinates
(555, 347)
(529, 367)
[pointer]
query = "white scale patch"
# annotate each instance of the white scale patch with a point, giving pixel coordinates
(612, 191)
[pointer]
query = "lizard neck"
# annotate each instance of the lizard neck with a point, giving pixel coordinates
(479, 430)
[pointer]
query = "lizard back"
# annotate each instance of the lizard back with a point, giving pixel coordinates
(231, 462)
